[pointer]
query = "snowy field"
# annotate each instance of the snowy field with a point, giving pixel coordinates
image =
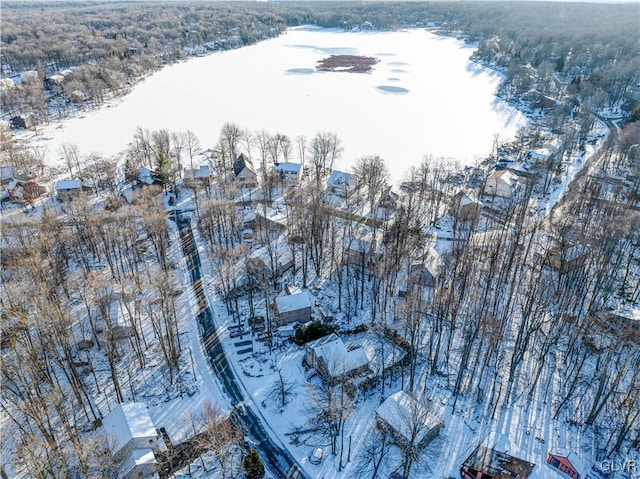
(424, 97)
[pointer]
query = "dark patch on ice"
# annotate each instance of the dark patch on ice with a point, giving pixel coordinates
(301, 71)
(393, 79)
(396, 70)
(398, 90)
(398, 64)
(385, 54)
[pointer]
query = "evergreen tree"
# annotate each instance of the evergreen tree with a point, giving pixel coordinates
(253, 466)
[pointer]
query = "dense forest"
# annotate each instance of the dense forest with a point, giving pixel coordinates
(102, 48)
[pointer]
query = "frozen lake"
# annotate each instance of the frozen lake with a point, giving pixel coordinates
(424, 97)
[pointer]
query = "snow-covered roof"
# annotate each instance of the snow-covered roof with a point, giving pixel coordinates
(198, 173)
(241, 163)
(293, 302)
(337, 358)
(503, 175)
(146, 175)
(280, 251)
(573, 458)
(339, 178)
(138, 457)
(357, 245)
(128, 421)
(68, 185)
(7, 172)
(554, 144)
(499, 463)
(288, 167)
(401, 412)
(12, 184)
(541, 153)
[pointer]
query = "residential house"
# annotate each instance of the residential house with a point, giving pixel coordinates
(360, 252)
(546, 152)
(68, 189)
(501, 183)
(271, 219)
(289, 173)
(291, 308)
(54, 80)
(568, 463)
(148, 177)
(201, 176)
(624, 325)
(22, 191)
(132, 438)
(333, 360)
(388, 203)
(409, 421)
(464, 208)
(488, 463)
(566, 258)
(244, 172)
(340, 183)
(420, 275)
(270, 261)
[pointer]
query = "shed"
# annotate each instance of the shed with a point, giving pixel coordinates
(20, 122)
(293, 307)
(568, 463)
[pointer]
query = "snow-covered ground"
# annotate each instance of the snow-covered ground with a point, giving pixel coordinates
(448, 107)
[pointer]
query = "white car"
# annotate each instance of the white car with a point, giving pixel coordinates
(316, 456)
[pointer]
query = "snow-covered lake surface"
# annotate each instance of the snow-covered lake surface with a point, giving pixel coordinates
(424, 97)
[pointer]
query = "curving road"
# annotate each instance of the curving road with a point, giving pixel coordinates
(278, 459)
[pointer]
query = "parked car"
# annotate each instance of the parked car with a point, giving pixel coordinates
(316, 456)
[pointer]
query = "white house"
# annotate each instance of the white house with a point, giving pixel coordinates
(133, 437)
(290, 173)
(332, 359)
(340, 183)
(244, 171)
(501, 183)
